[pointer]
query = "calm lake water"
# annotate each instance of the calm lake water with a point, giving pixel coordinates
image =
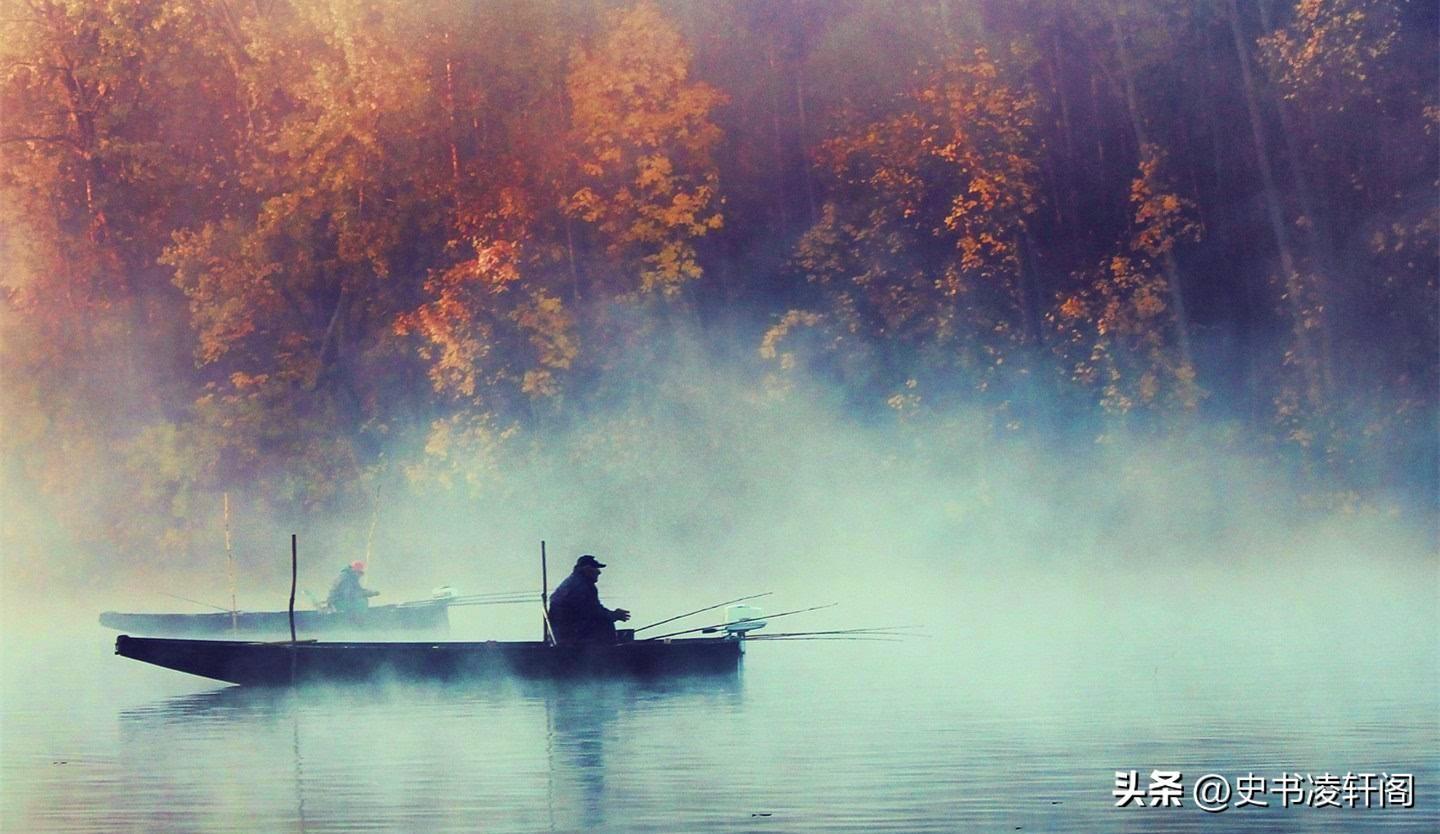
(916, 736)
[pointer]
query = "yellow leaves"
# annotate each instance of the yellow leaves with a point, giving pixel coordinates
(1327, 52)
(1115, 335)
(905, 402)
(586, 205)
(770, 343)
(462, 450)
(1431, 115)
(457, 343)
(971, 253)
(1148, 303)
(668, 269)
(953, 165)
(1162, 219)
(230, 290)
(983, 136)
(457, 321)
(645, 138)
(655, 173)
(242, 381)
(550, 328)
(1149, 386)
(539, 382)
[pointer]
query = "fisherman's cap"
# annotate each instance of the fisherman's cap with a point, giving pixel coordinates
(588, 560)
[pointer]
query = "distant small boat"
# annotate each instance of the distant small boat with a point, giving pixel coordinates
(285, 663)
(427, 615)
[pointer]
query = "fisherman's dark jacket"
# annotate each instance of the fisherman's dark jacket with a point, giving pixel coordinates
(576, 614)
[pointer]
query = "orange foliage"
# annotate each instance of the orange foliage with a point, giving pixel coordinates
(645, 139)
(953, 166)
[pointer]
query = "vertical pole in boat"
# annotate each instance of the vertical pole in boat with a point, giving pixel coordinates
(230, 560)
(544, 597)
(294, 561)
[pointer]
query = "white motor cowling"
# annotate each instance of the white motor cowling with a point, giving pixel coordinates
(740, 619)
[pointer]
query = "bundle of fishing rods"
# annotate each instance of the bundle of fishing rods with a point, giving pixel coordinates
(743, 626)
(492, 598)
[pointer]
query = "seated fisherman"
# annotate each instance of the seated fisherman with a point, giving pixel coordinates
(576, 615)
(347, 594)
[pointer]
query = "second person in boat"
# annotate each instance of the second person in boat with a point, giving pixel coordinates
(347, 594)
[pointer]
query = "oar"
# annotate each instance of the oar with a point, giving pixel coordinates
(719, 626)
(703, 610)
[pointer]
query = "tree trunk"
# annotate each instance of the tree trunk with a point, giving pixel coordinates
(777, 150)
(1294, 286)
(1132, 105)
(805, 145)
(1067, 130)
(454, 126)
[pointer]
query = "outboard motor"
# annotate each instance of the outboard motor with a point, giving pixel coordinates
(740, 619)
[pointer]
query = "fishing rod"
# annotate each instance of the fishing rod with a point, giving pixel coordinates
(885, 631)
(498, 595)
(884, 636)
(197, 602)
(856, 637)
(718, 626)
(464, 601)
(703, 610)
(515, 601)
(471, 599)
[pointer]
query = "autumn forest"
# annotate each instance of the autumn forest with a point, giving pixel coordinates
(298, 249)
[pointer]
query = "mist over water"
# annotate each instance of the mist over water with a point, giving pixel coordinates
(1144, 604)
(1091, 345)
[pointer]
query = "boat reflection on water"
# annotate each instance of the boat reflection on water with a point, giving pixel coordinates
(598, 734)
(241, 703)
(502, 754)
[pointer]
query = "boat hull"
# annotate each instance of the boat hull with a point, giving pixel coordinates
(283, 664)
(423, 617)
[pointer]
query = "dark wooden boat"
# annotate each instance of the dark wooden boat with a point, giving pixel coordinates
(428, 616)
(282, 664)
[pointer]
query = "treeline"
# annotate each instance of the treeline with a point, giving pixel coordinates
(296, 246)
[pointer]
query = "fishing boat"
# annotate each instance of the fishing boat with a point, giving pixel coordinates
(297, 661)
(287, 663)
(431, 616)
(426, 617)
(676, 653)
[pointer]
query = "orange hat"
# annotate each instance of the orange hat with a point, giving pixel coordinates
(357, 565)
